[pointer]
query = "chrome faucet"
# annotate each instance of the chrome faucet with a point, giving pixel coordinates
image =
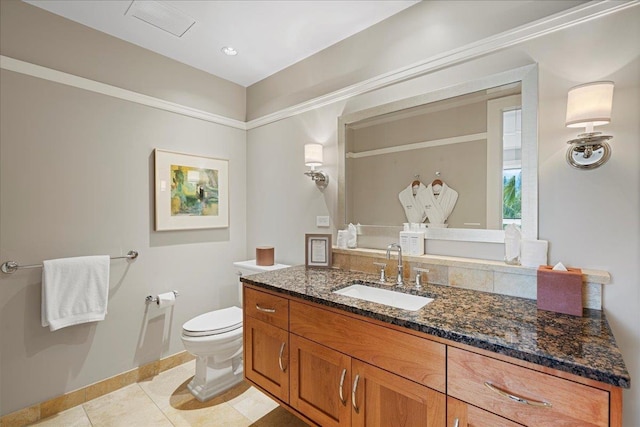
(399, 280)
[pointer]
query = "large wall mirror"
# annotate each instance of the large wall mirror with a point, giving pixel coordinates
(476, 142)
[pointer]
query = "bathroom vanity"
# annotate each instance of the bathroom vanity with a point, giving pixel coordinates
(467, 358)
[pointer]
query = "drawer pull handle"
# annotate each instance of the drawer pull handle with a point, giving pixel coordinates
(342, 399)
(517, 398)
(265, 310)
(353, 394)
(456, 422)
(282, 368)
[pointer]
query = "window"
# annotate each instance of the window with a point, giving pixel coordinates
(512, 167)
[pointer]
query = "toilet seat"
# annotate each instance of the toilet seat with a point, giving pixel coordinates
(214, 323)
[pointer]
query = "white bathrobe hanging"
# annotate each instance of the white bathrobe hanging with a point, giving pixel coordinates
(439, 206)
(414, 205)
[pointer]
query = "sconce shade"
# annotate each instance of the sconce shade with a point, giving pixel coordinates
(589, 105)
(313, 155)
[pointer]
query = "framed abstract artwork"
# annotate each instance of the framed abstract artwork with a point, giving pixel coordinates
(191, 192)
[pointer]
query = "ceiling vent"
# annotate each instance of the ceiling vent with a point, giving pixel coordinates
(162, 16)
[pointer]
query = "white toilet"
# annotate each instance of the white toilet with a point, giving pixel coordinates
(215, 338)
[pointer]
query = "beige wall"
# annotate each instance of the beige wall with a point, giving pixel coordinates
(426, 29)
(76, 178)
(34, 35)
(591, 218)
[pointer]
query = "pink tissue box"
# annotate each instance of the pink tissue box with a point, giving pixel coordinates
(560, 291)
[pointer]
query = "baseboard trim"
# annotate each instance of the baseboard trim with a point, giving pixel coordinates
(48, 408)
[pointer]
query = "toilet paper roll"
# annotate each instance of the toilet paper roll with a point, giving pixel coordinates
(166, 300)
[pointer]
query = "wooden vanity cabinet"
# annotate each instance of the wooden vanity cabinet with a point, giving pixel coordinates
(343, 370)
(320, 382)
(461, 414)
(381, 398)
(334, 389)
(349, 372)
(266, 345)
(523, 395)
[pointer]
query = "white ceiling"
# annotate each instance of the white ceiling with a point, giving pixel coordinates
(269, 35)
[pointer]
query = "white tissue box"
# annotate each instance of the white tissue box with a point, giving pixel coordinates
(533, 253)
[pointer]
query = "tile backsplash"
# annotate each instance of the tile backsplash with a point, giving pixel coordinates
(481, 275)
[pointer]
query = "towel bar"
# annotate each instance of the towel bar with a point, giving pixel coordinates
(11, 266)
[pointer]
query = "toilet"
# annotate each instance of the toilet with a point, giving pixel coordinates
(215, 338)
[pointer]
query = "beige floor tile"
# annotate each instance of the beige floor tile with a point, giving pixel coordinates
(74, 417)
(189, 366)
(168, 388)
(220, 415)
(279, 417)
(129, 406)
(253, 404)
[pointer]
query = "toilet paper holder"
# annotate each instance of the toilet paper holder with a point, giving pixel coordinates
(151, 299)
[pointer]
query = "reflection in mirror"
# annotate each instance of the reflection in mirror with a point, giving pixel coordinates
(469, 144)
(478, 139)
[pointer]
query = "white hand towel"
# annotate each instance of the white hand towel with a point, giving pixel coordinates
(74, 290)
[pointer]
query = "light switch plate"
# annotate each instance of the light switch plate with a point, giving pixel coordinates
(322, 221)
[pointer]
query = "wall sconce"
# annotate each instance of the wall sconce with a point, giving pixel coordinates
(313, 158)
(589, 105)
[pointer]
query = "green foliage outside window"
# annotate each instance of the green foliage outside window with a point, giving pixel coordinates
(512, 196)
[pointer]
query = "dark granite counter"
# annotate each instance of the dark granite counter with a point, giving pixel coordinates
(507, 325)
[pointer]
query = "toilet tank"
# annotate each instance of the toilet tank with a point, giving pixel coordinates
(244, 268)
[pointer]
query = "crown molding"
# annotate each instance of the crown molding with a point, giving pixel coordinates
(530, 31)
(33, 70)
(557, 22)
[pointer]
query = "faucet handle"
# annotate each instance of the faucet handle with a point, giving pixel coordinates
(383, 276)
(419, 272)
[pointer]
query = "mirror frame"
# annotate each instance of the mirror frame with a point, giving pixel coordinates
(528, 77)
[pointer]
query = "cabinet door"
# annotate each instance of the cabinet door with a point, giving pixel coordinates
(320, 382)
(380, 398)
(461, 414)
(266, 357)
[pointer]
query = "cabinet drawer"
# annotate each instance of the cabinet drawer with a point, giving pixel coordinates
(567, 403)
(406, 355)
(269, 308)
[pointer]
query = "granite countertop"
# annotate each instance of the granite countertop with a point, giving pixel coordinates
(507, 325)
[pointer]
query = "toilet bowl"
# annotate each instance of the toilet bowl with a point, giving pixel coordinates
(215, 338)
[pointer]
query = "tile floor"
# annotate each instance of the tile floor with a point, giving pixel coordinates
(164, 400)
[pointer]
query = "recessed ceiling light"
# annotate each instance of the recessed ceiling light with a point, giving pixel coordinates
(228, 50)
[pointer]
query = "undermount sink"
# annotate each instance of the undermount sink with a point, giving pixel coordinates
(385, 296)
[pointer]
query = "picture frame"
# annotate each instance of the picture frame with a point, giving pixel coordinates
(191, 192)
(317, 250)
